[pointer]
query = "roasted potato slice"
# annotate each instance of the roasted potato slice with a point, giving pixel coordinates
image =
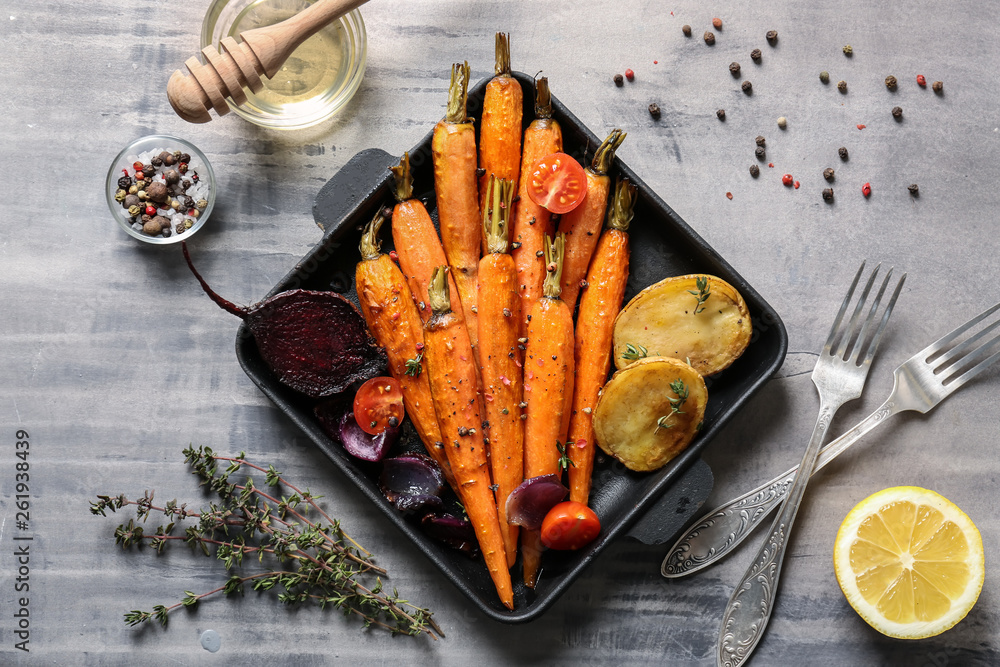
(700, 319)
(649, 412)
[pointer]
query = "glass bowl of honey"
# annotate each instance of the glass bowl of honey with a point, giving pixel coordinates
(318, 79)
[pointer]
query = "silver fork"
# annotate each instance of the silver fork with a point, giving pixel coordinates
(839, 377)
(921, 382)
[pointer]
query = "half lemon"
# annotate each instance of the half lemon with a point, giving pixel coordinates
(909, 561)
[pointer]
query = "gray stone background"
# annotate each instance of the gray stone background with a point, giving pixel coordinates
(113, 360)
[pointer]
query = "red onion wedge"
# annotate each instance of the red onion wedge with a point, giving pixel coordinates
(532, 500)
(412, 482)
(452, 531)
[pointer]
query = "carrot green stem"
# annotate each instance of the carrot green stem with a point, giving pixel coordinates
(369, 238)
(554, 253)
(499, 193)
(605, 154)
(621, 210)
(502, 67)
(404, 179)
(437, 291)
(543, 98)
(458, 93)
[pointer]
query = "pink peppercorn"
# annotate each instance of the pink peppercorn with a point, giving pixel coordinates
(787, 179)
(629, 74)
(866, 189)
(921, 81)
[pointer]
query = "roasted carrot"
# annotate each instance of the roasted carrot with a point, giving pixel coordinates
(548, 388)
(451, 370)
(500, 131)
(416, 240)
(454, 150)
(392, 318)
(532, 223)
(595, 324)
(499, 329)
(583, 224)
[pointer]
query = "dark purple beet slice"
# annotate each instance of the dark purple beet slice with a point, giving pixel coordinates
(314, 342)
(412, 481)
(528, 504)
(363, 445)
(456, 533)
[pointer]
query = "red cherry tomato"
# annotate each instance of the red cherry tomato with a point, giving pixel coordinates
(557, 182)
(378, 404)
(569, 526)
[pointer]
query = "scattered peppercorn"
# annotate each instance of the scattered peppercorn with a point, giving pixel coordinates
(754, 170)
(848, 51)
(755, 55)
(721, 113)
(828, 174)
(729, 195)
(938, 87)
(654, 110)
(842, 86)
(842, 152)
(772, 36)
(709, 38)
(914, 189)
(717, 23)
(760, 153)
(861, 126)
(782, 122)
(619, 80)
(897, 112)
(787, 180)
(828, 194)
(747, 87)
(890, 82)
(734, 68)
(760, 140)
(824, 76)
(629, 74)
(866, 189)
(686, 29)
(921, 81)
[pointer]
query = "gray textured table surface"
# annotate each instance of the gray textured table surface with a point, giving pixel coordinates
(113, 359)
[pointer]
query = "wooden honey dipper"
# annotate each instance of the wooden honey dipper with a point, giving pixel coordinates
(262, 52)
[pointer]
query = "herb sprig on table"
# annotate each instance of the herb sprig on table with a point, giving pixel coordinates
(311, 561)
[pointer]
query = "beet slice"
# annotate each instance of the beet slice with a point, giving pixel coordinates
(314, 342)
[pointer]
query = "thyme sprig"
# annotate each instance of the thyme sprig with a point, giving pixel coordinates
(413, 366)
(564, 460)
(701, 282)
(634, 352)
(311, 561)
(682, 391)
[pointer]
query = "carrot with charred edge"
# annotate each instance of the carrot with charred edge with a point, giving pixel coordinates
(416, 240)
(392, 318)
(454, 150)
(583, 224)
(500, 132)
(499, 329)
(532, 223)
(548, 389)
(595, 325)
(451, 370)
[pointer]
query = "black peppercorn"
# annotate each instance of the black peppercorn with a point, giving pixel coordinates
(828, 174)
(755, 55)
(130, 201)
(937, 87)
(179, 228)
(124, 182)
(828, 194)
(721, 113)
(188, 203)
(148, 170)
(166, 232)
(686, 29)
(709, 38)
(914, 190)
(156, 160)
(146, 218)
(842, 86)
(842, 152)
(760, 153)
(772, 36)
(760, 140)
(186, 183)
(734, 68)
(890, 82)
(897, 112)
(619, 80)
(747, 87)
(184, 158)
(654, 110)
(754, 170)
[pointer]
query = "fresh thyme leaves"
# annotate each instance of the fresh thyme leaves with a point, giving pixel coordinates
(310, 561)
(701, 282)
(413, 367)
(681, 389)
(564, 460)
(634, 352)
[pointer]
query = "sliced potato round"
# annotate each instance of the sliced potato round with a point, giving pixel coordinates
(649, 412)
(698, 318)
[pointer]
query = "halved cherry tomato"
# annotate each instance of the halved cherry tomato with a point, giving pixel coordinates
(378, 404)
(557, 182)
(569, 526)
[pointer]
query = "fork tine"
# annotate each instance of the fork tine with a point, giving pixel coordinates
(957, 353)
(952, 384)
(843, 308)
(867, 325)
(876, 339)
(932, 351)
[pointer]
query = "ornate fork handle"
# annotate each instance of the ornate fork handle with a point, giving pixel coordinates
(719, 532)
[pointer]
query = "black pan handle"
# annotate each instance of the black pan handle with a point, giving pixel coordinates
(664, 520)
(363, 174)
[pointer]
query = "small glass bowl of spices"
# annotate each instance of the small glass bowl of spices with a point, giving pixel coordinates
(161, 189)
